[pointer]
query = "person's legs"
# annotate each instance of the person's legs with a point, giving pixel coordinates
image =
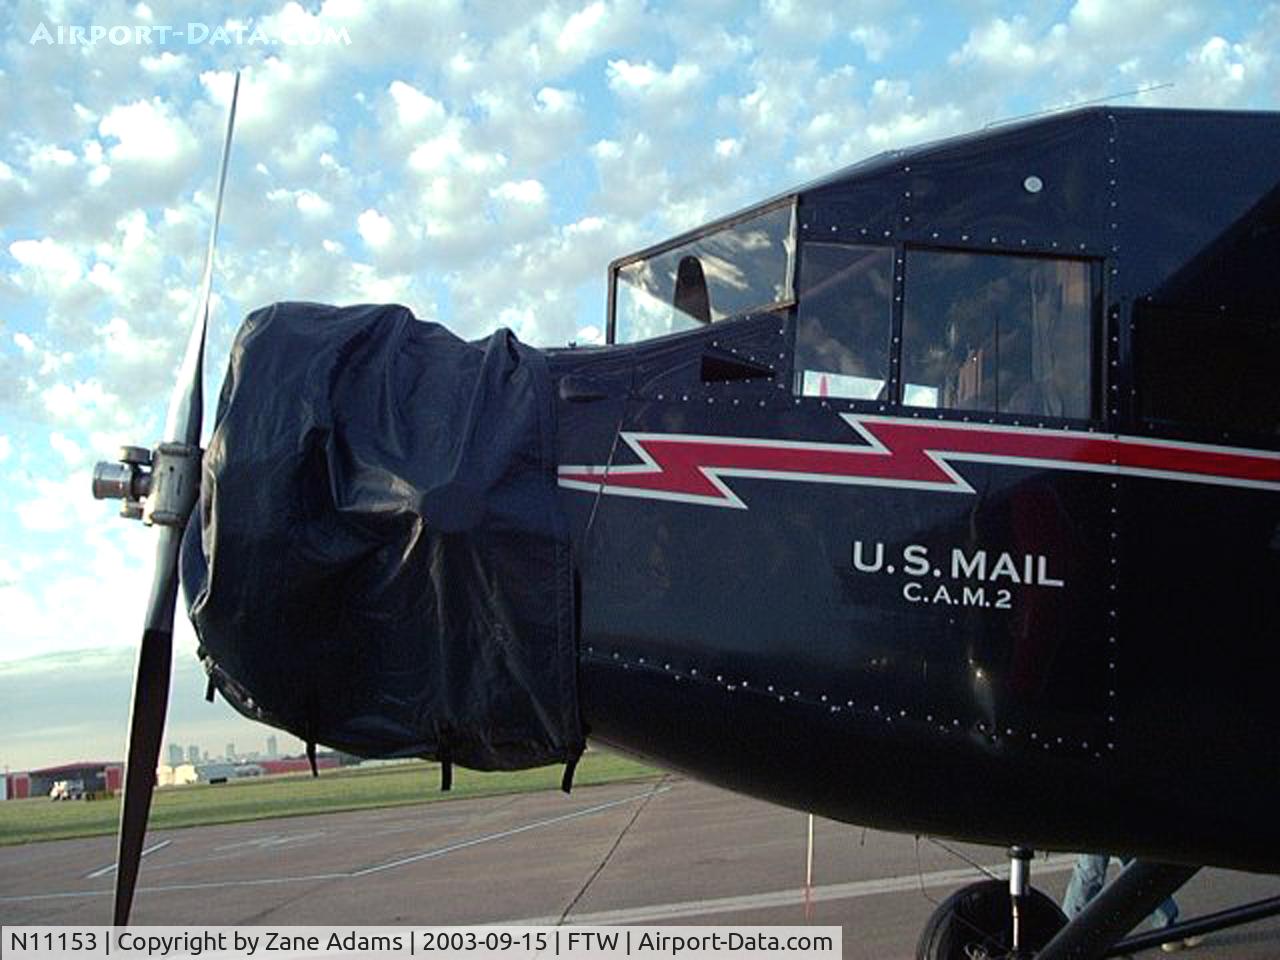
(1163, 915)
(1087, 877)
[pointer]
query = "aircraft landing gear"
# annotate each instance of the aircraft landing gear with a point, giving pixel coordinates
(993, 920)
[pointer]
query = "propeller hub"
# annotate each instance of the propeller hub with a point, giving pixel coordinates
(157, 487)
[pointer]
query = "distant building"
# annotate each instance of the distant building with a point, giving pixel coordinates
(220, 772)
(272, 748)
(193, 754)
(17, 786)
(94, 776)
(231, 751)
(168, 775)
(325, 761)
(175, 755)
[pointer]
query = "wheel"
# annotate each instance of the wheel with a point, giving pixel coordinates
(976, 923)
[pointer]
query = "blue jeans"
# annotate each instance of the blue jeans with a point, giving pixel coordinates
(1090, 875)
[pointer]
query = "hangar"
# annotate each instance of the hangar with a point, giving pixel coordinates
(97, 776)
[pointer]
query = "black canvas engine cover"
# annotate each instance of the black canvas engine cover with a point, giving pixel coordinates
(379, 562)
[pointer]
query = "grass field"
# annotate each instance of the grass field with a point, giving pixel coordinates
(352, 788)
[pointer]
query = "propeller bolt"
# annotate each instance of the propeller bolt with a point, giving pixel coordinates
(120, 481)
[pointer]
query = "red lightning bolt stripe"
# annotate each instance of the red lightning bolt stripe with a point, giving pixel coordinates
(908, 454)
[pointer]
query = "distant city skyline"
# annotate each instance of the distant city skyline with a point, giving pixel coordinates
(74, 706)
(193, 753)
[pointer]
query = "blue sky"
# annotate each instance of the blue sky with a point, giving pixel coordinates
(479, 162)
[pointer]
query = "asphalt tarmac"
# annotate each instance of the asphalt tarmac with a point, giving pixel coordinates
(671, 852)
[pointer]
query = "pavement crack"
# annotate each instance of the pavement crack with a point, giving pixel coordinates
(617, 842)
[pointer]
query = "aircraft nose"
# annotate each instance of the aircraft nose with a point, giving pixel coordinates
(380, 562)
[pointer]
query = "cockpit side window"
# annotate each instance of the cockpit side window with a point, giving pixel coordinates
(1001, 334)
(844, 321)
(741, 267)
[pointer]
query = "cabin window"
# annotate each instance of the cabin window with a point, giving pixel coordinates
(742, 267)
(844, 321)
(995, 333)
(1208, 369)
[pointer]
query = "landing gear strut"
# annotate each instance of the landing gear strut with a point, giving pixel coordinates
(993, 920)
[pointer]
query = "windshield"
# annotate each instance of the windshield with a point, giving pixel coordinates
(739, 268)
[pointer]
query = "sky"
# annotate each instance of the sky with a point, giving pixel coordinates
(479, 162)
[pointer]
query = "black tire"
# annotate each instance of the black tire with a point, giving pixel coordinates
(976, 923)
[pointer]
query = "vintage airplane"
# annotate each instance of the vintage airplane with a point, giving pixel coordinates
(940, 495)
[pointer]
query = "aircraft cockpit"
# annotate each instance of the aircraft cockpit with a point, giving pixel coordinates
(968, 331)
(728, 268)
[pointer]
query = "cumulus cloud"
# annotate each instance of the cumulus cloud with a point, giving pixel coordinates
(413, 107)
(652, 85)
(375, 229)
(146, 132)
(52, 265)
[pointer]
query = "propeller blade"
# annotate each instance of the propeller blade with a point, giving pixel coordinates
(186, 406)
(146, 721)
(155, 655)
